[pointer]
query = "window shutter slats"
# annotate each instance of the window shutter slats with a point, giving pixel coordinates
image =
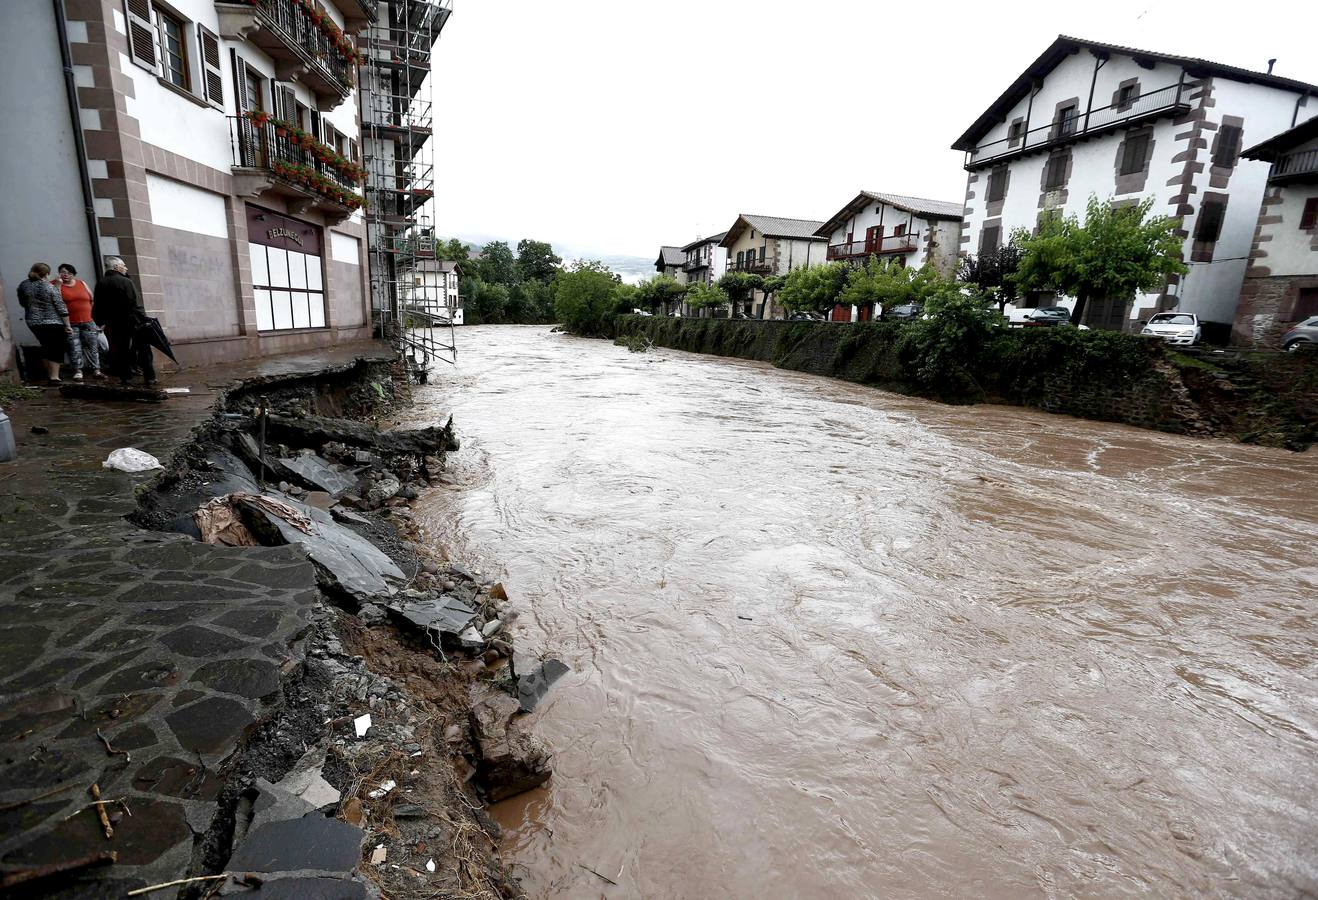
(212, 80)
(142, 37)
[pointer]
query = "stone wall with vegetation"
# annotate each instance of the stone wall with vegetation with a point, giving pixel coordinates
(1266, 398)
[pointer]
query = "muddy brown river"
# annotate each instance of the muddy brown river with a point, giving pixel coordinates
(832, 642)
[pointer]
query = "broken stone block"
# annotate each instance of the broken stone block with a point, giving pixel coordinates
(384, 489)
(510, 761)
(445, 615)
(535, 681)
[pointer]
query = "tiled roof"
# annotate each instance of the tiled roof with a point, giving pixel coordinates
(1064, 46)
(938, 209)
(712, 239)
(776, 226)
(670, 256)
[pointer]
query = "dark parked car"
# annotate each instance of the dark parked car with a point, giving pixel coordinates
(1300, 334)
(905, 313)
(1051, 315)
(805, 317)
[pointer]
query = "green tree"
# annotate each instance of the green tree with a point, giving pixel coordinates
(536, 260)
(993, 272)
(703, 296)
(498, 265)
(888, 284)
(951, 341)
(740, 286)
(484, 302)
(657, 292)
(453, 250)
(814, 288)
(1118, 251)
(533, 301)
(587, 297)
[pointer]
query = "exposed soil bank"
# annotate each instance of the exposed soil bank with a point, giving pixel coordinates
(1254, 397)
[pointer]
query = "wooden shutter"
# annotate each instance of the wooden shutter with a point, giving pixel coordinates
(997, 186)
(142, 37)
(212, 77)
(1228, 145)
(988, 239)
(1132, 158)
(1309, 218)
(1209, 227)
(239, 81)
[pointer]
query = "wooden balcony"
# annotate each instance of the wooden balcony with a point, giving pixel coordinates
(893, 243)
(692, 265)
(300, 49)
(1302, 165)
(754, 266)
(1155, 104)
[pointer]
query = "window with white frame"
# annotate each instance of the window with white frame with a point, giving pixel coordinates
(182, 54)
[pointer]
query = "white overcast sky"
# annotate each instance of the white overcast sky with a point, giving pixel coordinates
(614, 126)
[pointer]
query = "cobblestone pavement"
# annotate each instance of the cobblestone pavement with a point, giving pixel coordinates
(129, 659)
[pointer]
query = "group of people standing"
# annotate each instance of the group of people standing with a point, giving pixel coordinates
(69, 319)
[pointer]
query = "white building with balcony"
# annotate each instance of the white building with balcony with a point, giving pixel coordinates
(1091, 119)
(214, 146)
(706, 260)
(909, 231)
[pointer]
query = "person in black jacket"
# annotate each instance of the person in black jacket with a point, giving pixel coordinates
(117, 307)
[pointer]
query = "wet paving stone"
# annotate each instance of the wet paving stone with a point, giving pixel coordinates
(314, 843)
(210, 725)
(176, 777)
(193, 640)
(20, 646)
(245, 677)
(155, 827)
(163, 644)
(310, 889)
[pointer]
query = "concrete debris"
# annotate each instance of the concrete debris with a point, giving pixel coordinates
(383, 490)
(384, 788)
(307, 781)
(471, 639)
(491, 628)
(379, 854)
(534, 681)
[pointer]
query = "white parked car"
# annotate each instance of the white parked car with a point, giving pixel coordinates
(1174, 328)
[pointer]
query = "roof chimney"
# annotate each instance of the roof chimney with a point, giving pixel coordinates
(1272, 62)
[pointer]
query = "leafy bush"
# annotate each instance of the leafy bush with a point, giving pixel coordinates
(588, 296)
(814, 288)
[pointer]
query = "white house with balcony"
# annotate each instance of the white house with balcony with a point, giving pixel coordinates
(771, 245)
(1092, 119)
(706, 260)
(214, 146)
(909, 231)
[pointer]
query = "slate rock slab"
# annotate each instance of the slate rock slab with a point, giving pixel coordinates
(312, 843)
(533, 684)
(351, 563)
(323, 475)
(210, 725)
(445, 615)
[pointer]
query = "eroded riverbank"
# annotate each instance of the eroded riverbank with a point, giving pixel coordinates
(830, 641)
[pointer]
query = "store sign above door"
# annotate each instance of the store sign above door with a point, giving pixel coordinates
(285, 233)
(268, 227)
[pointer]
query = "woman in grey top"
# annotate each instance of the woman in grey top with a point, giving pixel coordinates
(47, 316)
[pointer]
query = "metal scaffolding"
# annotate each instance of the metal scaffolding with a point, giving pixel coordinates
(398, 147)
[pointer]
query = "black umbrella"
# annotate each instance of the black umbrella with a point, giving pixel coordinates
(154, 335)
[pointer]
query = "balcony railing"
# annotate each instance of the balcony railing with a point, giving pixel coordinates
(274, 150)
(758, 266)
(1295, 165)
(698, 263)
(1155, 103)
(893, 243)
(287, 32)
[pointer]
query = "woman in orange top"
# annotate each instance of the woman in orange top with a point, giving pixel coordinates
(84, 346)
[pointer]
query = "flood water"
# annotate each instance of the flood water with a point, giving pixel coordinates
(832, 642)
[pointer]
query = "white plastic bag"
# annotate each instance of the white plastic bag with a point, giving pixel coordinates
(128, 459)
(102, 342)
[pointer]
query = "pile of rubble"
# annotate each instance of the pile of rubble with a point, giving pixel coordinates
(340, 491)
